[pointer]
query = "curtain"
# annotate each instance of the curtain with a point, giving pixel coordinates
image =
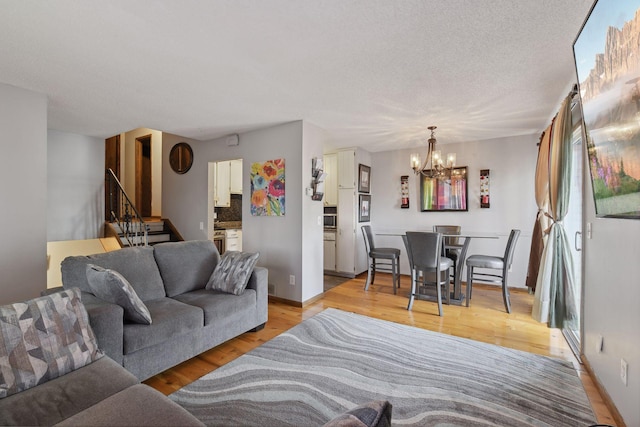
(554, 285)
(538, 238)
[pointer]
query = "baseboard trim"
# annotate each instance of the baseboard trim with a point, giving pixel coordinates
(312, 300)
(603, 392)
(295, 303)
(273, 298)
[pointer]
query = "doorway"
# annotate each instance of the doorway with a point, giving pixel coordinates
(112, 161)
(143, 175)
(572, 329)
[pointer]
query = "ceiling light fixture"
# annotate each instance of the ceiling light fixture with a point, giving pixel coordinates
(434, 165)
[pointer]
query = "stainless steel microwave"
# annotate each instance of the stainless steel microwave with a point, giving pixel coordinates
(330, 220)
(330, 217)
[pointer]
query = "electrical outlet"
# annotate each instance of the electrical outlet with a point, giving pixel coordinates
(292, 280)
(319, 220)
(201, 225)
(624, 367)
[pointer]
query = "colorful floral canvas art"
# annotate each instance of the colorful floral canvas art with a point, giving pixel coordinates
(267, 188)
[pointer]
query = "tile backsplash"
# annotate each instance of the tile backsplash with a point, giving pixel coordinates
(232, 213)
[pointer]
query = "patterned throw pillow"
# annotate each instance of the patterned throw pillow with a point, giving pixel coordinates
(42, 339)
(111, 286)
(376, 413)
(232, 272)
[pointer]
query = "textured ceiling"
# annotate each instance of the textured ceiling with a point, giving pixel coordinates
(372, 73)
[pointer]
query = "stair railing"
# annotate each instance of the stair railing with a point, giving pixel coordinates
(123, 213)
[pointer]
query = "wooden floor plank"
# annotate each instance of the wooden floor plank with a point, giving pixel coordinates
(485, 320)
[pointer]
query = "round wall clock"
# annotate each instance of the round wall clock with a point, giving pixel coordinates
(181, 158)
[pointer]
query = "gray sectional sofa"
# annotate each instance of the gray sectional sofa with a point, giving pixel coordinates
(52, 372)
(100, 394)
(187, 319)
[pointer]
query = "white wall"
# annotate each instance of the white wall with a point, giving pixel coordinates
(314, 140)
(128, 177)
(23, 190)
(75, 186)
(512, 163)
(611, 298)
(278, 239)
(361, 257)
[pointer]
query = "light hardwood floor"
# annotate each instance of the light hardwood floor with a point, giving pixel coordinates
(485, 320)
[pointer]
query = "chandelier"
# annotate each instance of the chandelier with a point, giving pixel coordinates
(434, 166)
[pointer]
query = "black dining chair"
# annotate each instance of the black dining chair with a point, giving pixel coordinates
(380, 259)
(494, 263)
(428, 266)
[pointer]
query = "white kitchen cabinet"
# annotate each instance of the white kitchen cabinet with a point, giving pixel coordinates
(329, 250)
(331, 181)
(233, 240)
(235, 184)
(222, 184)
(346, 232)
(346, 169)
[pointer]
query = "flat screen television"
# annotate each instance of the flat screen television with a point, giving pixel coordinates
(607, 59)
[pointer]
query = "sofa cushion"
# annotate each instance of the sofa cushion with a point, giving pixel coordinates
(44, 338)
(170, 318)
(65, 396)
(110, 286)
(185, 266)
(138, 405)
(218, 306)
(233, 271)
(137, 265)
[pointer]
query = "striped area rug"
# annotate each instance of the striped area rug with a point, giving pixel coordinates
(336, 360)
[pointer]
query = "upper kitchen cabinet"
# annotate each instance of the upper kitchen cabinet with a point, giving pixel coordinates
(228, 181)
(222, 184)
(236, 176)
(346, 169)
(331, 181)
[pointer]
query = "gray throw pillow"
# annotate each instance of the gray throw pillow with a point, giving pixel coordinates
(42, 339)
(112, 287)
(376, 413)
(232, 272)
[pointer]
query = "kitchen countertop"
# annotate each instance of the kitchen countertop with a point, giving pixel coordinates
(227, 225)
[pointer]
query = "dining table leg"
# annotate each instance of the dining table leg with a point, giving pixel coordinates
(457, 280)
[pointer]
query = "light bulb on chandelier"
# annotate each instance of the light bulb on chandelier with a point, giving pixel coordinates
(434, 165)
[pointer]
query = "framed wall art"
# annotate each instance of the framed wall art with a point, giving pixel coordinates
(484, 188)
(447, 192)
(364, 178)
(404, 191)
(364, 208)
(610, 92)
(267, 188)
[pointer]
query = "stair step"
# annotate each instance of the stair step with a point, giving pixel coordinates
(156, 238)
(151, 238)
(154, 226)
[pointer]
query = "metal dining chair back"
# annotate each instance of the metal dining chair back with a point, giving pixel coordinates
(452, 245)
(494, 263)
(382, 259)
(405, 240)
(427, 266)
(449, 229)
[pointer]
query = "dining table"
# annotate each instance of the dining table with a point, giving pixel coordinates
(456, 295)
